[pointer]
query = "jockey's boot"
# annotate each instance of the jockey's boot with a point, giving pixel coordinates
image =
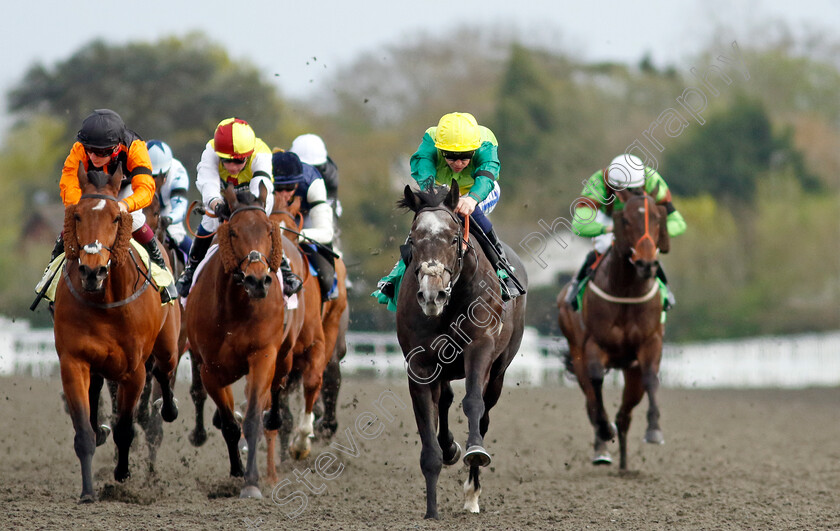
(571, 295)
(58, 248)
(168, 292)
(197, 252)
(670, 301)
(511, 287)
(291, 282)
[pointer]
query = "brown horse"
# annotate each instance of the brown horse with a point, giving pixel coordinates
(320, 344)
(108, 322)
(619, 325)
(235, 315)
(452, 324)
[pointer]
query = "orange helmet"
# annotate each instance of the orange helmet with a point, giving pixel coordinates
(234, 139)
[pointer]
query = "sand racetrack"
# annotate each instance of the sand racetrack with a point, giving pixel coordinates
(752, 459)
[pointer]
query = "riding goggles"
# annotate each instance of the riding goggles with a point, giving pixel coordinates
(101, 152)
(457, 155)
(234, 161)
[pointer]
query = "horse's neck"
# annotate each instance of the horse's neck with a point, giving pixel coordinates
(618, 276)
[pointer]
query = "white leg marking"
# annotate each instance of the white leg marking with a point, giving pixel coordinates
(471, 496)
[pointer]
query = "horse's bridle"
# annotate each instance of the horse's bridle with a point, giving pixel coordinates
(251, 257)
(463, 245)
(646, 235)
(96, 248)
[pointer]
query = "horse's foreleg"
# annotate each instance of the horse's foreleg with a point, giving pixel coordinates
(632, 395)
(75, 379)
(223, 398)
(650, 381)
(327, 425)
(313, 375)
(477, 371)
(260, 374)
(101, 432)
(166, 356)
(423, 398)
(199, 395)
(143, 406)
(336, 343)
(593, 389)
(128, 394)
(451, 449)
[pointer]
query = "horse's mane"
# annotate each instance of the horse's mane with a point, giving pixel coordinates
(431, 197)
(98, 178)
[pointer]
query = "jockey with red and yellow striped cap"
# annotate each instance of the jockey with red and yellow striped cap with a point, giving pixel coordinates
(233, 156)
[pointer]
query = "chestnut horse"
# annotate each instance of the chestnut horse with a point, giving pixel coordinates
(321, 343)
(453, 324)
(108, 322)
(234, 316)
(619, 325)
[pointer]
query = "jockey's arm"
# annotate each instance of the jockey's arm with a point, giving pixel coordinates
(178, 183)
(139, 167)
(423, 162)
(321, 227)
(207, 177)
(261, 166)
(69, 184)
(675, 221)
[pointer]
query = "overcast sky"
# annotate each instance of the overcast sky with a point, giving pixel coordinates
(282, 38)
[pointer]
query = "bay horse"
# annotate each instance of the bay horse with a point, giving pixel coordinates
(453, 324)
(619, 325)
(108, 323)
(235, 315)
(321, 344)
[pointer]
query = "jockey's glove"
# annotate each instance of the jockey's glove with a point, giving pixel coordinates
(222, 210)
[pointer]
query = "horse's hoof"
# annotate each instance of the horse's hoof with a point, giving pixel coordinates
(476, 456)
(198, 437)
(299, 455)
(168, 414)
(456, 457)
(121, 475)
(654, 437)
(102, 434)
(243, 446)
(87, 498)
(325, 430)
(602, 459)
(250, 491)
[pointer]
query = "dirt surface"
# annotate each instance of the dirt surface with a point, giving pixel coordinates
(759, 459)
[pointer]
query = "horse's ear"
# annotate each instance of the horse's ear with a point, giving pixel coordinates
(230, 197)
(664, 242)
(263, 193)
(618, 228)
(116, 180)
(454, 195)
(409, 201)
(82, 174)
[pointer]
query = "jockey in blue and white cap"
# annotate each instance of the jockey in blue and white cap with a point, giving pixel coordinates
(172, 184)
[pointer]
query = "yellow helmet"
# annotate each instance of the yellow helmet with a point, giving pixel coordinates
(457, 132)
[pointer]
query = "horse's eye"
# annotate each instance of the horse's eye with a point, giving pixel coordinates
(455, 239)
(410, 241)
(117, 219)
(232, 234)
(77, 217)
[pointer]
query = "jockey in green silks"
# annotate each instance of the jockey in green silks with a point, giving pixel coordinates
(458, 148)
(601, 197)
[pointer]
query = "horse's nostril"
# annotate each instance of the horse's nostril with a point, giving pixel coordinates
(441, 297)
(101, 271)
(420, 298)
